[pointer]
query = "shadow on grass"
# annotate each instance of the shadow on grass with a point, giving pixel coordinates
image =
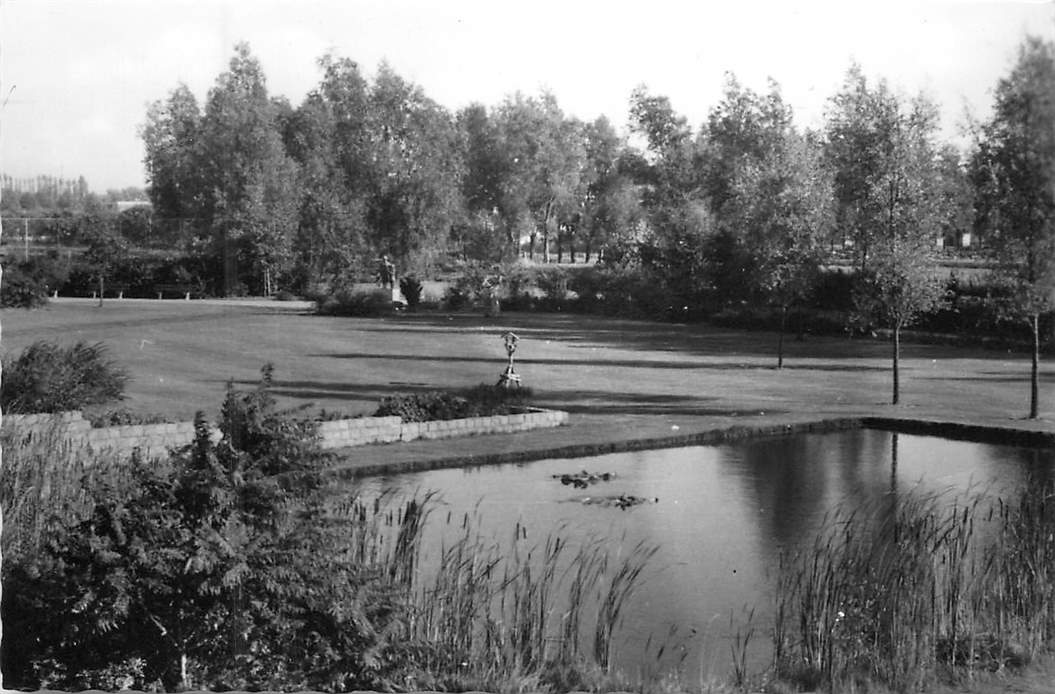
(695, 338)
(573, 401)
(622, 363)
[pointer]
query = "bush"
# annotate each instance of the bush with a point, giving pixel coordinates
(348, 301)
(481, 401)
(49, 270)
(21, 290)
(456, 298)
(553, 281)
(209, 571)
(411, 287)
(121, 417)
(50, 378)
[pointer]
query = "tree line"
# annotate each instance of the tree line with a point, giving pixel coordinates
(745, 206)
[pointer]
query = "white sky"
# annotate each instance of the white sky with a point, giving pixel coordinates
(83, 71)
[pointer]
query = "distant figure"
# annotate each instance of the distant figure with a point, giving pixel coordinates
(386, 272)
(492, 287)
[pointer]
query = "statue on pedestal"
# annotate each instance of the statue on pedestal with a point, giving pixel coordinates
(510, 379)
(492, 286)
(386, 272)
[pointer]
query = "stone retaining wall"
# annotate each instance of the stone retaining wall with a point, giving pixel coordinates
(342, 433)
(157, 439)
(497, 424)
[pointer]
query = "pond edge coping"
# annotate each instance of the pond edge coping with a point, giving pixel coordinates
(961, 431)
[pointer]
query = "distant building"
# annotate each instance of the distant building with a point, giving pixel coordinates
(122, 205)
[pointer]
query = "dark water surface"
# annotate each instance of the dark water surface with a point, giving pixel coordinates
(721, 517)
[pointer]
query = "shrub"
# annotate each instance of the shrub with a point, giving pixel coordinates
(553, 281)
(208, 570)
(481, 401)
(423, 407)
(833, 290)
(50, 378)
(348, 301)
(21, 290)
(456, 298)
(40, 275)
(123, 416)
(411, 287)
(80, 281)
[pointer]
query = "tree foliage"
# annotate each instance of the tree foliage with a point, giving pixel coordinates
(887, 170)
(674, 197)
(1014, 174)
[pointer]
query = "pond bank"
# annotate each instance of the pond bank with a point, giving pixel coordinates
(585, 436)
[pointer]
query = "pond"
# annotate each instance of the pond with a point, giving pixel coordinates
(720, 515)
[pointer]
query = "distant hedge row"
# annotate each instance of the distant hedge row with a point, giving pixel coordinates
(29, 283)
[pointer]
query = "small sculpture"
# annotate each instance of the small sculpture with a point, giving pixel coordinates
(491, 288)
(510, 379)
(386, 272)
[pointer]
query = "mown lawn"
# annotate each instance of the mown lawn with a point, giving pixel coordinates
(181, 355)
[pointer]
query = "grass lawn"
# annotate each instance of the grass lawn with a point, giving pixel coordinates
(181, 354)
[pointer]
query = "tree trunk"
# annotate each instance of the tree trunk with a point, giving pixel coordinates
(101, 285)
(780, 340)
(1034, 381)
(560, 248)
(531, 245)
(897, 356)
(893, 485)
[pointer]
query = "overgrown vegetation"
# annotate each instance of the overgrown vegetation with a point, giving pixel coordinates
(47, 377)
(480, 401)
(351, 301)
(917, 590)
(236, 563)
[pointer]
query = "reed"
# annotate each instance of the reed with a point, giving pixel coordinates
(46, 481)
(919, 588)
(520, 614)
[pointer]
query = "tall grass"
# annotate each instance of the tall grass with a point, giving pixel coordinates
(45, 481)
(520, 614)
(920, 588)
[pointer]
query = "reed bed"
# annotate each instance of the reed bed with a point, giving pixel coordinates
(484, 613)
(46, 481)
(919, 588)
(518, 614)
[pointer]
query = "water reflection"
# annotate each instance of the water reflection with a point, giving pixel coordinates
(724, 515)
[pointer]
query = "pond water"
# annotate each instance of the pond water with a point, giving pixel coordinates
(720, 515)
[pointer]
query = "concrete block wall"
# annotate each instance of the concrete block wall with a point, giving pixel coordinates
(496, 424)
(342, 433)
(158, 439)
(151, 439)
(69, 423)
